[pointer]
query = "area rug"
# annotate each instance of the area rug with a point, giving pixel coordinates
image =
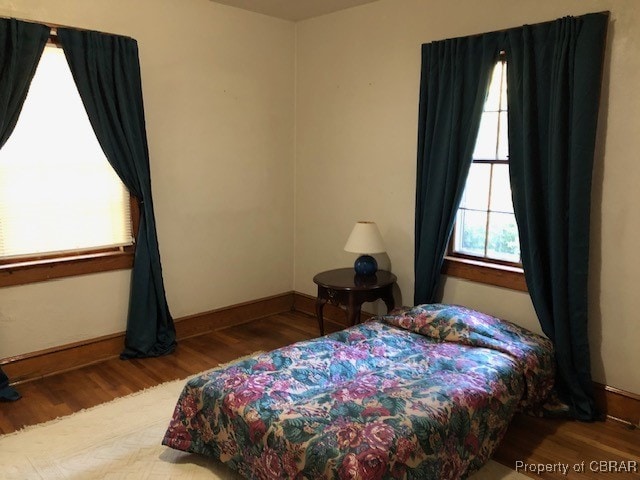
(120, 440)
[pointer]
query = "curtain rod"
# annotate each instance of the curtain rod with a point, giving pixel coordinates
(54, 27)
(603, 12)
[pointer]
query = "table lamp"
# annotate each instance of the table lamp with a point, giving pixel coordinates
(365, 239)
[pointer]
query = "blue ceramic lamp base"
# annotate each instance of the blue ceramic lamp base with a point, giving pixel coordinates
(365, 265)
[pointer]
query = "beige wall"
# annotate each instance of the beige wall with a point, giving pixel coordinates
(218, 87)
(357, 90)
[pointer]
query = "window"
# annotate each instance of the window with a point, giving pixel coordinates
(485, 232)
(60, 199)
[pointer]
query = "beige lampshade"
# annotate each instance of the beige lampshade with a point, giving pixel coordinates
(365, 238)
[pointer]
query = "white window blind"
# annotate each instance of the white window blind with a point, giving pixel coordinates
(58, 192)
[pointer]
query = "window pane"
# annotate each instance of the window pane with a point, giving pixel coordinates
(503, 243)
(476, 191)
(57, 189)
(503, 137)
(503, 91)
(485, 148)
(485, 224)
(471, 232)
(493, 99)
(501, 189)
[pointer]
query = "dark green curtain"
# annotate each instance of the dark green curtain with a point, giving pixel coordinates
(554, 74)
(7, 392)
(453, 86)
(21, 46)
(106, 70)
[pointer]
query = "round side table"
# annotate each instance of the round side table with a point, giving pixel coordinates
(344, 287)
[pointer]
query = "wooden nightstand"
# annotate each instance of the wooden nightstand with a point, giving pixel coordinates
(344, 287)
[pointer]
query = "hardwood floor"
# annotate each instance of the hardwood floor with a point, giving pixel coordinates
(529, 440)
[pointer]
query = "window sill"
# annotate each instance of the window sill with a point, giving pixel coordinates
(59, 267)
(483, 272)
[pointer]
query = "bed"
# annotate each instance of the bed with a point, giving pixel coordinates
(423, 393)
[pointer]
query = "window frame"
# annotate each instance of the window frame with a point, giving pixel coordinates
(40, 268)
(501, 273)
(495, 274)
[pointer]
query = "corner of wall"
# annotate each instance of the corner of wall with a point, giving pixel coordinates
(295, 155)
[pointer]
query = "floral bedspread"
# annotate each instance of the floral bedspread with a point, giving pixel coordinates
(426, 393)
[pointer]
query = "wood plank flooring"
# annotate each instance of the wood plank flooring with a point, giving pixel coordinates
(529, 440)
